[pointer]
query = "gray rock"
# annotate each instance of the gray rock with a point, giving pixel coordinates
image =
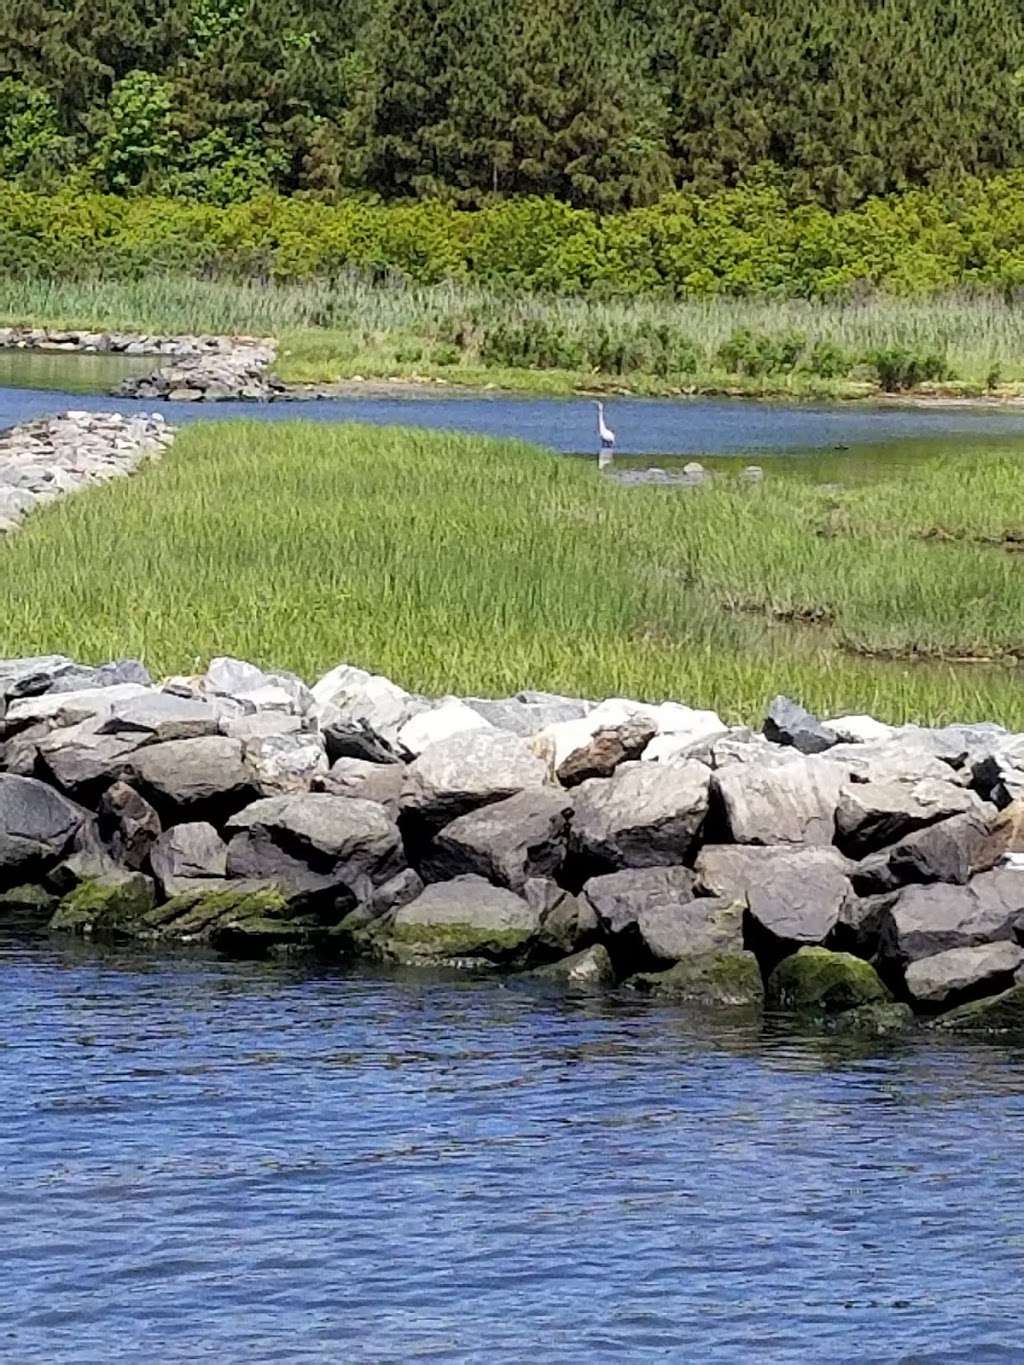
(797, 901)
(261, 725)
(788, 723)
(568, 923)
(163, 717)
(37, 826)
(729, 870)
(380, 782)
(880, 1019)
(509, 842)
(467, 771)
(129, 824)
(529, 713)
(185, 854)
(949, 851)
(401, 890)
(927, 920)
(360, 714)
(794, 803)
(730, 979)
(589, 968)
(872, 815)
(67, 708)
(194, 774)
(324, 852)
(619, 899)
(84, 763)
(950, 978)
(706, 926)
(903, 758)
(465, 921)
(1002, 1013)
(646, 815)
(286, 763)
(859, 929)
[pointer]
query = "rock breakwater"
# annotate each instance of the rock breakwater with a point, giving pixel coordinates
(44, 460)
(858, 874)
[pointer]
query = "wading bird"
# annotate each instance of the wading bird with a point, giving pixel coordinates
(607, 438)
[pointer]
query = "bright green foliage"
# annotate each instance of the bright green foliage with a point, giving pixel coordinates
(138, 138)
(456, 564)
(602, 103)
(30, 140)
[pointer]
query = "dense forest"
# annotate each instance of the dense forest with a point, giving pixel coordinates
(605, 104)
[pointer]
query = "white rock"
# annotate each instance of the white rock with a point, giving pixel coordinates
(450, 717)
(352, 696)
(860, 729)
(68, 708)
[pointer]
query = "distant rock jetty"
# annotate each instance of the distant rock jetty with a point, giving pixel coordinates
(861, 876)
(44, 460)
(201, 368)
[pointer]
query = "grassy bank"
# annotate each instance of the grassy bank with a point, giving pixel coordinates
(963, 343)
(460, 564)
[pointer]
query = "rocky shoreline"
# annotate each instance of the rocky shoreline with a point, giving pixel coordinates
(44, 460)
(863, 876)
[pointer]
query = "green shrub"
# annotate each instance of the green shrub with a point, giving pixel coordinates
(899, 369)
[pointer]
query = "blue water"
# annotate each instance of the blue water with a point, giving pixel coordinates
(244, 1163)
(643, 426)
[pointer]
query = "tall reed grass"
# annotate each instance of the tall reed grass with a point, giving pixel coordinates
(350, 326)
(454, 563)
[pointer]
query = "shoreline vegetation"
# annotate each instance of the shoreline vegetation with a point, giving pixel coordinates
(414, 553)
(741, 292)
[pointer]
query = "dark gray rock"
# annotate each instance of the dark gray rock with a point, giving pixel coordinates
(325, 853)
(468, 771)
(779, 803)
(568, 923)
(380, 782)
(110, 906)
(619, 899)
(509, 842)
(37, 826)
(859, 928)
(194, 775)
(788, 723)
(706, 926)
(129, 825)
(959, 974)
(949, 851)
(729, 870)
(402, 889)
(646, 815)
(797, 901)
(872, 815)
(162, 716)
(998, 776)
(926, 920)
(881, 1019)
(1002, 1013)
(185, 854)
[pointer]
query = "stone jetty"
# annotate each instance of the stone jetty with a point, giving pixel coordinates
(44, 460)
(860, 875)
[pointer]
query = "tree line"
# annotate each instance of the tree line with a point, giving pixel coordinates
(604, 104)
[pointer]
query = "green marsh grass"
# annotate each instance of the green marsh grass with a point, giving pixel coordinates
(336, 330)
(459, 564)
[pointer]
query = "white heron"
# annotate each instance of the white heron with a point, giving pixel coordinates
(606, 437)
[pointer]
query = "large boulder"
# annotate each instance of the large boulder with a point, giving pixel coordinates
(325, 853)
(472, 769)
(730, 870)
(527, 713)
(1003, 1013)
(816, 981)
(462, 922)
(926, 920)
(446, 718)
(959, 974)
(509, 842)
(286, 763)
(206, 776)
(797, 901)
(185, 854)
(37, 826)
(619, 899)
(907, 757)
(949, 851)
(646, 815)
(788, 723)
(707, 925)
(162, 716)
(240, 919)
(71, 708)
(779, 803)
(83, 762)
(570, 744)
(872, 815)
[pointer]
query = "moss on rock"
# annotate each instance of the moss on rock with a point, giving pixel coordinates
(707, 978)
(817, 981)
(25, 903)
(1002, 1013)
(193, 916)
(443, 944)
(112, 904)
(877, 1020)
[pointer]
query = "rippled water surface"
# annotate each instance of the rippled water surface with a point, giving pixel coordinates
(223, 1162)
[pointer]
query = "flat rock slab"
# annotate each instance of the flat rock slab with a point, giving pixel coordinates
(949, 978)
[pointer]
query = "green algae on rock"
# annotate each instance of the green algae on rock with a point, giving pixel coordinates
(817, 981)
(109, 904)
(706, 978)
(998, 1014)
(879, 1019)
